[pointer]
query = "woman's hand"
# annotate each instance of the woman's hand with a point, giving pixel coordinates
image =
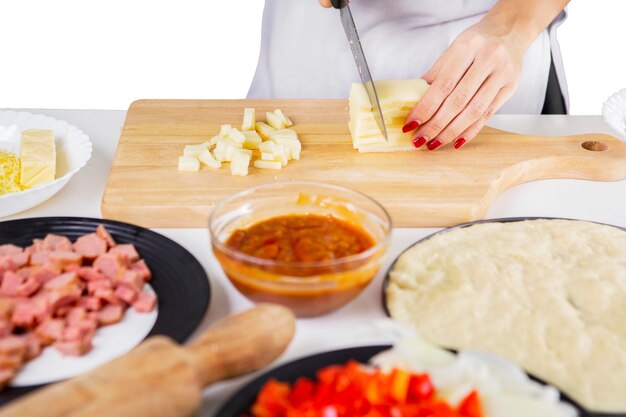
(471, 80)
(478, 73)
(325, 3)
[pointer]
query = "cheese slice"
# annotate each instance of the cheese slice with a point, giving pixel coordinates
(38, 157)
(397, 98)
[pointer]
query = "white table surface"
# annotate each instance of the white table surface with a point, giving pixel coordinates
(595, 201)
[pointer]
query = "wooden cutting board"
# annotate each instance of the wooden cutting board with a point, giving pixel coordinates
(420, 189)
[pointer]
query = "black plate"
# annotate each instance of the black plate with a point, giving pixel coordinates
(464, 225)
(180, 282)
(240, 403)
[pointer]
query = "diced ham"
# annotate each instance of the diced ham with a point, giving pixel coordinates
(110, 265)
(90, 246)
(37, 246)
(142, 270)
(110, 314)
(28, 287)
(126, 294)
(107, 296)
(44, 273)
(12, 345)
(6, 327)
(90, 303)
(126, 251)
(6, 375)
(10, 284)
(20, 259)
(63, 296)
(9, 249)
(65, 258)
(40, 258)
(89, 273)
(12, 361)
(56, 292)
(104, 234)
(29, 312)
(100, 284)
(54, 242)
(63, 290)
(67, 279)
(33, 346)
(50, 331)
(73, 348)
(6, 307)
(132, 280)
(145, 302)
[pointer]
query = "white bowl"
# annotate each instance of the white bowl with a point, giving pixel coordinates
(614, 113)
(73, 151)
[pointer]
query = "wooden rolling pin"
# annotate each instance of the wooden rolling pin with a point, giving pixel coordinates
(161, 378)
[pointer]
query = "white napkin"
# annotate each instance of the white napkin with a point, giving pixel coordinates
(614, 113)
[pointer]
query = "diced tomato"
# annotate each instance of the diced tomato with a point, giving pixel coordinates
(302, 391)
(471, 406)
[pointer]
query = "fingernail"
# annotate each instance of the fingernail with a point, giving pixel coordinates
(433, 144)
(459, 142)
(412, 125)
(419, 142)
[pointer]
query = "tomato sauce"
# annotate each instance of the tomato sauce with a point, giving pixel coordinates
(301, 273)
(301, 238)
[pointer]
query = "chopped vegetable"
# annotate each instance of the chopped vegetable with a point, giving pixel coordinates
(355, 390)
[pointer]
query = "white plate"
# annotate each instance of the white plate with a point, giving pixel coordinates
(109, 343)
(73, 151)
(614, 113)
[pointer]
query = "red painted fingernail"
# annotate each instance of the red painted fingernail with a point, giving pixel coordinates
(419, 142)
(459, 142)
(433, 144)
(412, 125)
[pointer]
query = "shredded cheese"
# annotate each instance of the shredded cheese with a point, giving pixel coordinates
(9, 173)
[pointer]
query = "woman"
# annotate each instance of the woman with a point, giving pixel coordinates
(480, 57)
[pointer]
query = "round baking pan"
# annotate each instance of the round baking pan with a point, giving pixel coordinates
(241, 402)
(178, 279)
(501, 220)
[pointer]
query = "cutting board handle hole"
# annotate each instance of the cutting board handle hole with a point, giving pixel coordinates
(594, 146)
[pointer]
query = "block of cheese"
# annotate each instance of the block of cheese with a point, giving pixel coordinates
(397, 98)
(38, 157)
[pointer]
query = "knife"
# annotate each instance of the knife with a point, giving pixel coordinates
(361, 64)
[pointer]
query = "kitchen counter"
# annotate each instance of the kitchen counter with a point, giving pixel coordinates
(350, 326)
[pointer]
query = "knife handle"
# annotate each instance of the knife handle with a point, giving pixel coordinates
(338, 4)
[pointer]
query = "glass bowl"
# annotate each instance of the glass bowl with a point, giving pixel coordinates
(307, 288)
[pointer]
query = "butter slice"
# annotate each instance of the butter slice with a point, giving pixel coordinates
(38, 157)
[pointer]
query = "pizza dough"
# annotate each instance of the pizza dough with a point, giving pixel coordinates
(397, 98)
(548, 294)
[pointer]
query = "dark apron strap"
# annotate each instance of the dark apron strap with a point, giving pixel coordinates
(554, 102)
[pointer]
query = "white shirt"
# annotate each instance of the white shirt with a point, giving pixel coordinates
(305, 54)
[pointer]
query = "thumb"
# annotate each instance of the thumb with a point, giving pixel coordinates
(325, 3)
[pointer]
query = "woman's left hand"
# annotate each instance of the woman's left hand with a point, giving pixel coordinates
(469, 82)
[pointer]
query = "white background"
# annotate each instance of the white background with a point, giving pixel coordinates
(105, 54)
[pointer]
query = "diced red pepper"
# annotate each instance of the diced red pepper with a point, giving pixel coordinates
(471, 406)
(353, 390)
(421, 388)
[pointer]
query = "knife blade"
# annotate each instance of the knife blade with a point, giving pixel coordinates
(349, 27)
